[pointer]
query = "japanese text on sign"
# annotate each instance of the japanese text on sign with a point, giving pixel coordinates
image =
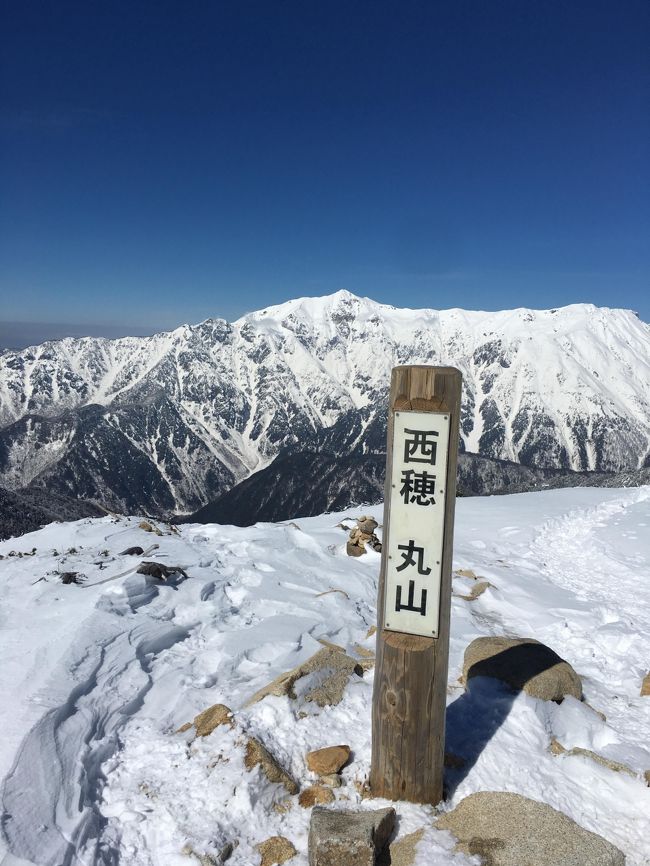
(416, 530)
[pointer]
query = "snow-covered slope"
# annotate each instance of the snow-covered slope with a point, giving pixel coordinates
(191, 412)
(97, 679)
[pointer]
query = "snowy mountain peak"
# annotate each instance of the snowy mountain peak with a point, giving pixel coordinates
(315, 309)
(343, 305)
(191, 412)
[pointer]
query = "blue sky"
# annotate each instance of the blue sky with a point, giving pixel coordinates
(165, 162)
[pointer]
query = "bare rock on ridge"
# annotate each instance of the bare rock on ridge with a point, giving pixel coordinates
(259, 755)
(510, 830)
(335, 668)
(524, 664)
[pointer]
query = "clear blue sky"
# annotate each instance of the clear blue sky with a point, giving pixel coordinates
(162, 162)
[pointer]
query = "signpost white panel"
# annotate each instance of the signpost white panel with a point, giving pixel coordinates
(416, 526)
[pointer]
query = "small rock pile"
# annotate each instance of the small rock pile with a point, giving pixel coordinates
(326, 764)
(363, 534)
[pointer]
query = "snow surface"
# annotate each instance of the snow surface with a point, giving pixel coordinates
(97, 679)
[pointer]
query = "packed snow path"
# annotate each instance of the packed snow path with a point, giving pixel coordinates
(97, 678)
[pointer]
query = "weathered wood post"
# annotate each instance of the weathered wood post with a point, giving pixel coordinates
(408, 713)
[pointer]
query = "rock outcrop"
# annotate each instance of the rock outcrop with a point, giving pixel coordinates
(259, 755)
(334, 668)
(524, 664)
(510, 830)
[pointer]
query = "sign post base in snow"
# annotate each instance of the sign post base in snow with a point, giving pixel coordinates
(409, 699)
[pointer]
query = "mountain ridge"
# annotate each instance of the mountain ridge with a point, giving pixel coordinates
(306, 484)
(199, 408)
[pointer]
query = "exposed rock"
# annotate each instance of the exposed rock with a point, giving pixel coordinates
(478, 589)
(361, 535)
(524, 664)
(184, 728)
(329, 643)
(363, 788)
(132, 551)
(209, 719)
(329, 760)
(465, 572)
(210, 859)
(372, 630)
(510, 830)
(348, 838)
(556, 748)
(276, 850)
(367, 525)
(332, 780)
(69, 577)
(147, 527)
(226, 851)
(402, 852)
(366, 657)
(645, 686)
(363, 651)
(646, 776)
(599, 713)
(259, 755)
(160, 571)
(335, 666)
(316, 795)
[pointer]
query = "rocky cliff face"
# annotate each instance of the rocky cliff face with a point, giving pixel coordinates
(167, 423)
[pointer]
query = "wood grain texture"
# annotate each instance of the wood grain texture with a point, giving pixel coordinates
(409, 698)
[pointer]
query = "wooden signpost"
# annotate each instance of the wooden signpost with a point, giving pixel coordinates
(409, 699)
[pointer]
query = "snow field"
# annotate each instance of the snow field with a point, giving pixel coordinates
(97, 679)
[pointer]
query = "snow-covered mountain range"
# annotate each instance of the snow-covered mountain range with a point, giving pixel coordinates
(167, 423)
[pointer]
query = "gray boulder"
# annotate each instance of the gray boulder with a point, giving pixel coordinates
(331, 667)
(524, 664)
(348, 838)
(511, 830)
